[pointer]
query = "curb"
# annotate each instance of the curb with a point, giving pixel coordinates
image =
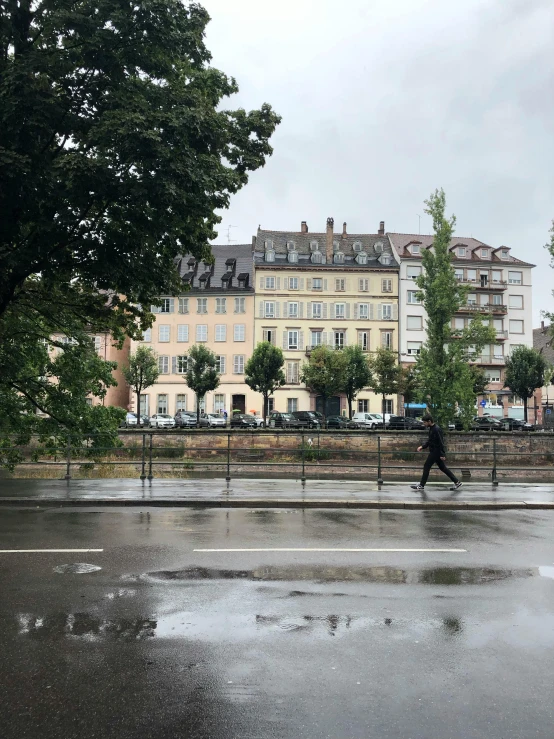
(281, 503)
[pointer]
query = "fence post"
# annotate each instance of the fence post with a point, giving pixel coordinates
(303, 479)
(68, 459)
(379, 476)
(143, 465)
(228, 478)
(150, 475)
(494, 476)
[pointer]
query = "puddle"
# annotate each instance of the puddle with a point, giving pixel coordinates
(547, 572)
(85, 626)
(77, 568)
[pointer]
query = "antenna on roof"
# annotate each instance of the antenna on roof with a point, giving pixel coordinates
(417, 214)
(229, 239)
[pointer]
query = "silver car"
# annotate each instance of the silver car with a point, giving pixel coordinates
(213, 420)
(162, 421)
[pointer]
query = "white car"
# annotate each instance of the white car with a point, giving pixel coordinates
(215, 420)
(367, 420)
(379, 417)
(162, 421)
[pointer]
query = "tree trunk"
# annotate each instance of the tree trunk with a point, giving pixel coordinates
(266, 404)
(198, 399)
(348, 397)
(525, 409)
(383, 413)
(138, 408)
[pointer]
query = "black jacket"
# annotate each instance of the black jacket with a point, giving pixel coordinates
(435, 442)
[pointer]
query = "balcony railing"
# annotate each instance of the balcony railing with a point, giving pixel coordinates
(494, 285)
(489, 359)
(490, 308)
(501, 335)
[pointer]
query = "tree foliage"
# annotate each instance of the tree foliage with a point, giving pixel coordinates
(323, 374)
(357, 374)
(386, 374)
(525, 372)
(202, 376)
(443, 365)
(142, 371)
(264, 372)
(116, 151)
(408, 384)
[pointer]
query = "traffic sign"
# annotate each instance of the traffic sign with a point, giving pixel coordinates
(483, 403)
(548, 411)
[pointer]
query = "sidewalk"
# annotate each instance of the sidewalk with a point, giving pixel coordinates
(249, 493)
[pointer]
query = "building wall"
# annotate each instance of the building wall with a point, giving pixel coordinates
(108, 350)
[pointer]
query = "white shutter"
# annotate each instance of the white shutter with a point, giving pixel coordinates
(308, 284)
(285, 340)
(222, 365)
(173, 365)
(262, 309)
(325, 284)
(346, 338)
(395, 311)
(324, 337)
(285, 309)
(309, 310)
(379, 312)
(301, 339)
(324, 310)
(355, 311)
(348, 310)
(371, 311)
(300, 310)
(347, 285)
(301, 283)
(261, 283)
(277, 309)
(286, 283)
(171, 305)
(154, 309)
(332, 310)
(278, 283)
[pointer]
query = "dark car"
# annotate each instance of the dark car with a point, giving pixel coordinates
(341, 422)
(243, 421)
(286, 421)
(311, 419)
(185, 419)
(486, 423)
(405, 423)
(516, 424)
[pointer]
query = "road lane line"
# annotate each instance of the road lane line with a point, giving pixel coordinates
(320, 549)
(48, 551)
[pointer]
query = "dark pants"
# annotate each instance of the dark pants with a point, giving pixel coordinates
(434, 458)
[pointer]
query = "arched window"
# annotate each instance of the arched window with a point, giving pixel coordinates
(317, 257)
(293, 256)
(362, 258)
(270, 255)
(339, 258)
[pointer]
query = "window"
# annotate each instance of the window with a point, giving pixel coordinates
(317, 283)
(180, 402)
(386, 312)
(183, 305)
(317, 257)
(221, 305)
(516, 327)
(270, 255)
(221, 332)
(240, 305)
(147, 335)
(412, 272)
(363, 285)
(496, 276)
(239, 332)
(459, 274)
(484, 253)
(270, 283)
(361, 259)
(182, 332)
(292, 340)
(269, 309)
(340, 285)
(414, 347)
(514, 278)
(201, 305)
(97, 343)
(293, 373)
(485, 299)
(472, 299)
(270, 405)
(293, 283)
(340, 339)
(497, 299)
(292, 405)
(415, 249)
(181, 364)
(144, 404)
(363, 340)
(238, 364)
(414, 323)
(338, 258)
(363, 310)
(201, 332)
(385, 260)
(167, 305)
(471, 275)
(163, 333)
(459, 323)
(505, 254)
(492, 375)
(363, 406)
(386, 286)
(220, 364)
(219, 403)
(340, 310)
(293, 257)
(388, 407)
(316, 338)
(484, 278)
(515, 301)
(386, 339)
(293, 310)
(317, 310)
(461, 251)
(270, 335)
(163, 365)
(162, 404)
(412, 297)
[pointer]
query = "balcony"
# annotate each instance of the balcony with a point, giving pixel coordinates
(494, 285)
(497, 359)
(485, 309)
(501, 335)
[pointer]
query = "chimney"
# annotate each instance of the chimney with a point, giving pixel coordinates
(329, 240)
(344, 229)
(542, 325)
(381, 228)
(304, 227)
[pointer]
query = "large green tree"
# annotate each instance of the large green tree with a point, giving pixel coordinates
(117, 149)
(525, 372)
(386, 374)
(142, 372)
(202, 375)
(408, 384)
(443, 364)
(357, 374)
(264, 372)
(324, 372)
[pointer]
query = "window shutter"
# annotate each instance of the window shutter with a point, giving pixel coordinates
(300, 310)
(348, 310)
(286, 283)
(324, 310)
(355, 311)
(332, 310)
(323, 338)
(308, 284)
(325, 284)
(262, 309)
(285, 310)
(301, 339)
(222, 365)
(285, 340)
(371, 311)
(277, 309)
(347, 285)
(346, 338)
(310, 313)
(379, 312)
(261, 283)
(173, 365)
(301, 283)
(395, 311)
(278, 283)
(154, 309)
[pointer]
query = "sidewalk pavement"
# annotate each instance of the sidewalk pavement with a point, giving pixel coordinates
(275, 493)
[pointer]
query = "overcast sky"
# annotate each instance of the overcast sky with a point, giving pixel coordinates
(385, 100)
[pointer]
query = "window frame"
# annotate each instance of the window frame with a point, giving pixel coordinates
(197, 332)
(239, 329)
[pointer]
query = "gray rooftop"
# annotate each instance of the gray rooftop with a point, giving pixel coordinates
(231, 272)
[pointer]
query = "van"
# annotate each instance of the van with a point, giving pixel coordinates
(367, 421)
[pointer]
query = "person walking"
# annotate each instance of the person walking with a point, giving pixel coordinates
(437, 455)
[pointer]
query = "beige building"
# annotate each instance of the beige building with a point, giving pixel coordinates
(324, 288)
(216, 310)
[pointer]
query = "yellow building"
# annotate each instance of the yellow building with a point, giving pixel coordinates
(324, 288)
(217, 310)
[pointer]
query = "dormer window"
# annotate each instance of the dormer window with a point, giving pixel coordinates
(461, 251)
(317, 257)
(379, 247)
(336, 246)
(314, 246)
(268, 245)
(293, 257)
(269, 255)
(505, 253)
(415, 249)
(357, 246)
(339, 258)
(385, 260)
(291, 246)
(484, 253)
(361, 258)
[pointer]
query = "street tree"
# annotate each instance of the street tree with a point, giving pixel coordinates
(142, 372)
(202, 375)
(408, 384)
(525, 373)
(264, 372)
(480, 380)
(386, 374)
(357, 374)
(324, 372)
(443, 364)
(118, 150)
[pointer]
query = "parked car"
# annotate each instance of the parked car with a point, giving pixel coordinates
(130, 421)
(311, 419)
(367, 421)
(243, 421)
(405, 423)
(185, 419)
(385, 419)
(516, 424)
(213, 420)
(486, 423)
(286, 421)
(162, 421)
(341, 422)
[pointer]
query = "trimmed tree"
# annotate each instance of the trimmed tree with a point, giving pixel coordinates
(264, 372)
(386, 374)
(443, 364)
(357, 374)
(142, 372)
(324, 373)
(202, 375)
(525, 373)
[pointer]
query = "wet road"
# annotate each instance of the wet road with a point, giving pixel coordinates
(155, 639)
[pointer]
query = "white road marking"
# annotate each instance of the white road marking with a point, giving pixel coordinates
(319, 549)
(48, 551)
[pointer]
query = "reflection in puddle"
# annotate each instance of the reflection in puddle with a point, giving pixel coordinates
(85, 626)
(77, 568)
(546, 572)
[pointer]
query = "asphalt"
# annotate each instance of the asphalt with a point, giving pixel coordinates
(155, 637)
(248, 493)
